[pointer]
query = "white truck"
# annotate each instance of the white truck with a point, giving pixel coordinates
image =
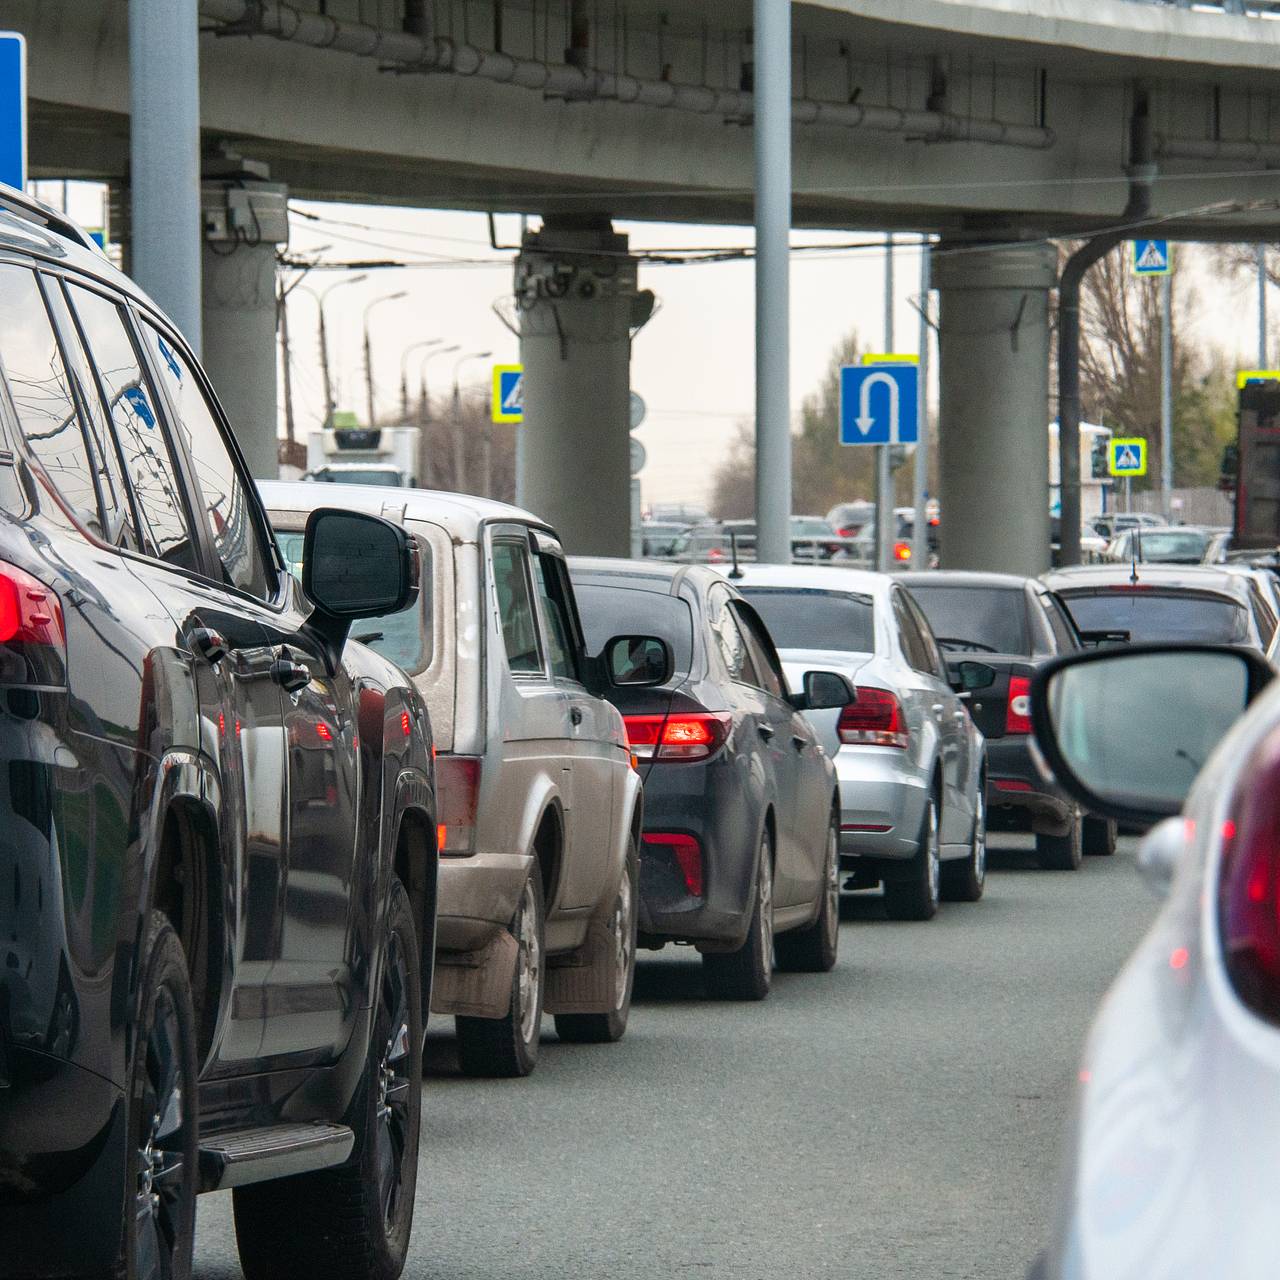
(386, 456)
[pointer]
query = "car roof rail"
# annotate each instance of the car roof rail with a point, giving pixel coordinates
(42, 215)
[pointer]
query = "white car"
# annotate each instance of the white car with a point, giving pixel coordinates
(1176, 1135)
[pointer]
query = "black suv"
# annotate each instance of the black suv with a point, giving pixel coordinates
(217, 818)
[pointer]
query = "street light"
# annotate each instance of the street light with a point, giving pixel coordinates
(404, 371)
(459, 449)
(424, 403)
(329, 404)
(368, 349)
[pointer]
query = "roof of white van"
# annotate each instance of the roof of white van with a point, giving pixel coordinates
(459, 513)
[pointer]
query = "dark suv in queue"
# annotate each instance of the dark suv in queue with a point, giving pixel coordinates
(217, 859)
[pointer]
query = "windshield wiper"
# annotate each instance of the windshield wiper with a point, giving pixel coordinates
(965, 646)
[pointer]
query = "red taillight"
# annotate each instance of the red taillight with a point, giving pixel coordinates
(687, 736)
(1017, 717)
(457, 800)
(1011, 784)
(902, 551)
(847, 533)
(873, 719)
(406, 725)
(1249, 887)
(32, 634)
(688, 855)
(323, 732)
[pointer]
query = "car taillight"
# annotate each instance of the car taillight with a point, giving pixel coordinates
(873, 719)
(687, 853)
(457, 799)
(902, 551)
(849, 532)
(1249, 884)
(33, 638)
(1017, 717)
(686, 736)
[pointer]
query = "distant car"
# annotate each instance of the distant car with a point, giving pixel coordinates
(658, 538)
(685, 513)
(1154, 603)
(707, 544)
(537, 899)
(911, 763)
(1172, 544)
(1093, 548)
(742, 810)
(1113, 522)
(848, 518)
(1014, 625)
(812, 538)
(862, 546)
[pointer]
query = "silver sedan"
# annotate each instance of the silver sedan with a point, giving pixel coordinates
(909, 759)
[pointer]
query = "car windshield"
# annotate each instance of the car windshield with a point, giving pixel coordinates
(800, 619)
(989, 619)
(381, 476)
(609, 611)
(1168, 546)
(1151, 616)
(810, 529)
(403, 638)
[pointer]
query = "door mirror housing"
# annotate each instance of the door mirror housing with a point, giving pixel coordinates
(969, 677)
(824, 691)
(354, 566)
(1126, 731)
(636, 662)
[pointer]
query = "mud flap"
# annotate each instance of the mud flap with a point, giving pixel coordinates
(476, 984)
(583, 980)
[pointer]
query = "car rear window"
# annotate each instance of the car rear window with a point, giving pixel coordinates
(838, 620)
(626, 611)
(1184, 546)
(403, 638)
(981, 619)
(1153, 616)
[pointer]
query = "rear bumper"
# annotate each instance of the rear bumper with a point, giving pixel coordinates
(882, 804)
(477, 897)
(1018, 797)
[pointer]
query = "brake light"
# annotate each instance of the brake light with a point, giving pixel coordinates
(687, 853)
(33, 639)
(1017, 716)
(902, 551)
(406, 725)
(687, 737)
(1249, 885)
(457, 801)
(323, 732)
(850, 532)
(873, 719)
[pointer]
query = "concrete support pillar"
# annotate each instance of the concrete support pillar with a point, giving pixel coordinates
(993, 437)
(243, 223)
(579, 304)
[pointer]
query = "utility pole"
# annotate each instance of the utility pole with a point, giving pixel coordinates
(1166, 396)
(920, 525)
(286, 363)
(884, 467)
(771, 86)
(1262, 306)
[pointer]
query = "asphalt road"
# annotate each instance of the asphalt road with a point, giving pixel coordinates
(899, 1117)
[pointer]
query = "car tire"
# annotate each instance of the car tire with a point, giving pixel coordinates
(1061, 853)
(353, 1222)
(747, 973)
(160, 1115)
(916, 895)
(965, 881)
(814, 948)
(507, 1047)
(1099, 837)
(605, 1028)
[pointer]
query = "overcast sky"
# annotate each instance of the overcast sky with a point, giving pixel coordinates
(692, 364)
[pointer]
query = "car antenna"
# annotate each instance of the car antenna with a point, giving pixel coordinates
(736, 572)
(1136, 552)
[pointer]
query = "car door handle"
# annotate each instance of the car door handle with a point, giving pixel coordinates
(289, 675)
(937, 708)
(208, 643)
(799, 741)
(575, 715)
(765, 731)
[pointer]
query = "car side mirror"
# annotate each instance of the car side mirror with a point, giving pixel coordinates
(637, 662)
(1126, 731)
(969, 677)
(354, 566)
(824, 691)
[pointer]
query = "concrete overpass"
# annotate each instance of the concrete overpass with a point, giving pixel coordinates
(994, 124)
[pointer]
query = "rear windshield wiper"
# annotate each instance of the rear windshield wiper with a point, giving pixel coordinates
(965, 646)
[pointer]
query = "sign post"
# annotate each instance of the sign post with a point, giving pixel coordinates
(13, 109)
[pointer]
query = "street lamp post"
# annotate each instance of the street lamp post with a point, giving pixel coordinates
(404, 371)
(368, 349)
(424, 407)
(459, 442)
(329, 404)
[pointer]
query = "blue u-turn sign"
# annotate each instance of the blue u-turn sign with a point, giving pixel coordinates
(880, 404)
(13, 109)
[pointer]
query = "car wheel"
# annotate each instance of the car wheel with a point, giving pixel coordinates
(965, 881)
(915, 896)
(813, 949)
(1061, 853)
(747, 973)
(161, 1119)
(1099, 837)
(508, 1046)
(354, 1221)
(604, 1028)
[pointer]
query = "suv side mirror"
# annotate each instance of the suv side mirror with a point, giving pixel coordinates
(1126, 731)
(637, 662)
(354, 566)
(824, 691)
(969, 677)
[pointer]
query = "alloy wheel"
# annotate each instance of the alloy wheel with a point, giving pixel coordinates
(832, 888)
(622, 941)
(529, 964)
(394, 1085)
(933, 858)
(765, 892)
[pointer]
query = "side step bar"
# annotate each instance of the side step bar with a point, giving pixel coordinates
(242, 1156)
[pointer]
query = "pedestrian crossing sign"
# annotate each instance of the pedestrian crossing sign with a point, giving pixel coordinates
(508, 393)
(1152, 258)
(1128, 457)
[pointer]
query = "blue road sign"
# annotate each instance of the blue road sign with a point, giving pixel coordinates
(508, 393)
(13, 109)
(1152, 258)
(880, 404)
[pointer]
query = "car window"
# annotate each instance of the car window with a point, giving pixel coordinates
(609, 611)
(729, 639)
(928, 643)
(40, 390)
(975, 619)
(839, 620)
(139, 432)
(763, 657)
(515, 607)
(1262, 615)
(912, 646)
(560, 644)
(1157, 616)
(226, 493)
(1064, 634)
